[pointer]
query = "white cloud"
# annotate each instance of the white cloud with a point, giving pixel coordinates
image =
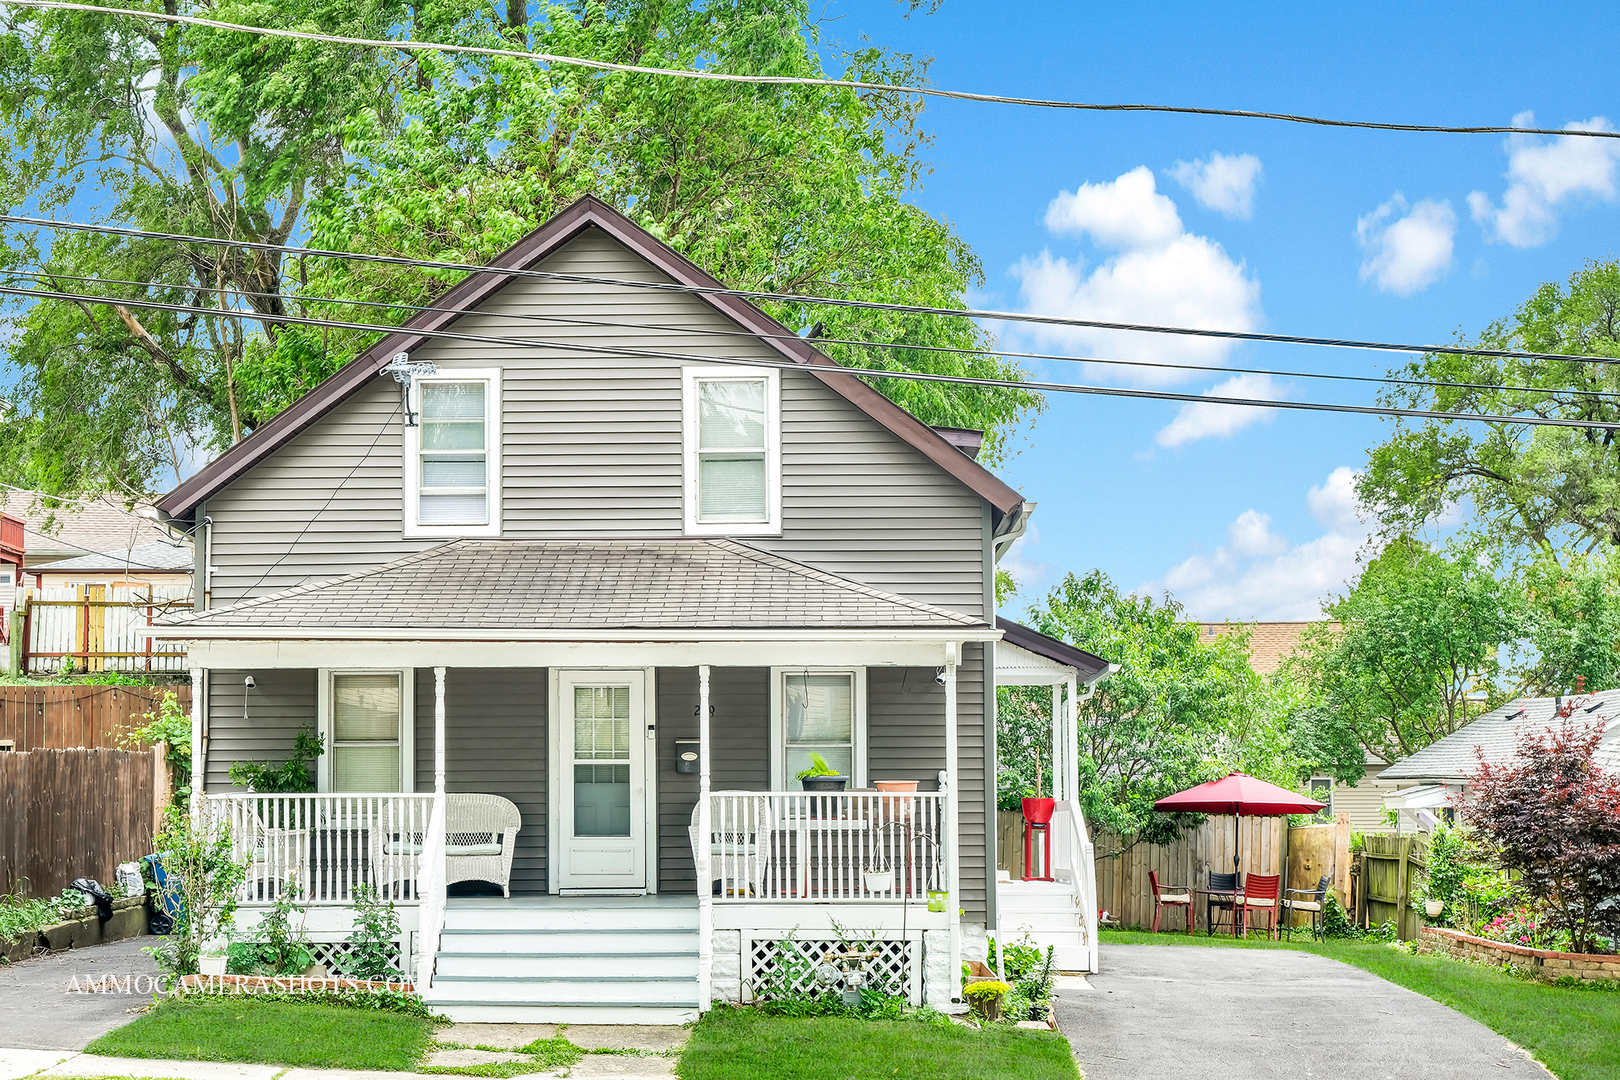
(1123, 213)
(1543, 173)
(1408, 248)
(1222, 182)
(1198, 420)
(1160, 274)
(1259, 574)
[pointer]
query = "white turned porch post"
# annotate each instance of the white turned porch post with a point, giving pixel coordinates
(705, 876)
(953, 871)
(199, 746)
(1059, 773)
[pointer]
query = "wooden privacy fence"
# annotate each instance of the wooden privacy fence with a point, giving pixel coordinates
(1122, 878)
(1386, 872)
(65, 717)
(98, 627)
(66, 814)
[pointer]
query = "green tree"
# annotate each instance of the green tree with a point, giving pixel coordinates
(1416, 653)
(1181, 709)
(1572, 605)
(441, 157)
(1530, 488)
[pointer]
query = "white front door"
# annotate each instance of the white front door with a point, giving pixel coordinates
(602, 730)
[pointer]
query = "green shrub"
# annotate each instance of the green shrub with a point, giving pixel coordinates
(375, 936)
(281, 948)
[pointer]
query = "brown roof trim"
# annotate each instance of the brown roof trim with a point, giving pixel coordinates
(475, 288)
(1091, 666)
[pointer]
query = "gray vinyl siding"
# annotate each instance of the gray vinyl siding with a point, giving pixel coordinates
(592, 448)
(739, 754)
(905, 726)
(281, 704)
(495, 743)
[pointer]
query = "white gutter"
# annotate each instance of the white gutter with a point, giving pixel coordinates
(676, 636)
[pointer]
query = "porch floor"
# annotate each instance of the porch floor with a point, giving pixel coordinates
(570, 903)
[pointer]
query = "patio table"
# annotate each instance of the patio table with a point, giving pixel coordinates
(1234, 895)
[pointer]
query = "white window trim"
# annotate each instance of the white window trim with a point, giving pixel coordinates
(780, 781)
(1310, 788)
(491, 377)
(772, 526)
(407, 723)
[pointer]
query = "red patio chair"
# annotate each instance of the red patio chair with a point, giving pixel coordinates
(1170, 896)
(1259, 894)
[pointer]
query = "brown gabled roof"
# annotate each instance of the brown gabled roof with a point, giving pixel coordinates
(1090, 666)
(587, 212)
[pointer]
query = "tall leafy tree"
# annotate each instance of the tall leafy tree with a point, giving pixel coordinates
(439, 157)
(1414, 651)
(1572, 609)
(1530, 488)
(1181, 710)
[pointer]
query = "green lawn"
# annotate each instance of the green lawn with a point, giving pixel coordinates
(740, 1044)
(1575, 1033)
(272, 1032)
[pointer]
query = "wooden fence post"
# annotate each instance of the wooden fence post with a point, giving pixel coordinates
(1402, 887)
(162, 785)
(19, 630)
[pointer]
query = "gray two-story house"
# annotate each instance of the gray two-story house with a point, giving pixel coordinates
(587, 539)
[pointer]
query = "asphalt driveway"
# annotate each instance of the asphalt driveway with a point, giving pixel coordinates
(40, 1011)
(1159, 1011)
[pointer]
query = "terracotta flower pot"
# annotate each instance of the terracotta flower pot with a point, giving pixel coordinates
(895, 785)
(1039, 811)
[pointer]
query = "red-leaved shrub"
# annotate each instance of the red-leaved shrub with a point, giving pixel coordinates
(1554, 817)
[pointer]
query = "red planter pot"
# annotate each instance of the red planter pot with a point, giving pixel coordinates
(1039, 811)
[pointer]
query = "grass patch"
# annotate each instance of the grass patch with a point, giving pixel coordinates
(273, 1033)
(1574, 1031)
(743, 1044)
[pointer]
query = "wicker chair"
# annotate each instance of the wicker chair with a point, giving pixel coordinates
(741, 844)
(275, 857)
(480, 836)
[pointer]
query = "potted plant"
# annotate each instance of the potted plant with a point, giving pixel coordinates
(1039, 811)
(821, 776)
(896, 786)
(212, 959)
(878, 879)
(985, 997)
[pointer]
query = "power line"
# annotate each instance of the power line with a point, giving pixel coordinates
(794, 298)
(797, 80)
(835, 369)
(574, 320)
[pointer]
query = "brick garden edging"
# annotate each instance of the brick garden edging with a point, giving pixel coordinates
(1544, 963)
(286, 984)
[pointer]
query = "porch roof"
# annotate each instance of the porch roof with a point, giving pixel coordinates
(577, 585)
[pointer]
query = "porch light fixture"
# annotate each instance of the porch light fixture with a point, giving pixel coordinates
(404, 369)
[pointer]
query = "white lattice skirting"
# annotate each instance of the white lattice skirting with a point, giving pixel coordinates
(785, 966)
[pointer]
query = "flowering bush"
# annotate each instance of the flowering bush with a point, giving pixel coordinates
(1525, 926)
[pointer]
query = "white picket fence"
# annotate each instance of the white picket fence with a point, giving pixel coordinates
(102, 627)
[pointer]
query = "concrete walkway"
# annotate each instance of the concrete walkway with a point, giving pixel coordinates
(1159, 1011)
(40, 1011)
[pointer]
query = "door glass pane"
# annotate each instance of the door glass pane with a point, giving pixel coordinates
(365, 708)
(731, 414)
(365, 768)
(820, 708)
(601, 800)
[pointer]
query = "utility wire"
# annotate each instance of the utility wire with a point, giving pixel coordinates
(575, 320)
(794, 298)
(796, 80)
(831, 368)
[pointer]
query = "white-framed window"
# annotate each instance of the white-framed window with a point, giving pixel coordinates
(817, 711)
(367, 719)
(453, 455)
(731, 430)
(1322, 792)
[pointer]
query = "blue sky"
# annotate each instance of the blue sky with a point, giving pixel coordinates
(1292, 229)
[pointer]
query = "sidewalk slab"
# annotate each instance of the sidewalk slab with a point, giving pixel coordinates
(96, 1065)
(653, 1037)
(371, 1074)
(593, 1066)
(15, 1064)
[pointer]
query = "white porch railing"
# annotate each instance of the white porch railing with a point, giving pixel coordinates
(1074, 861)
(849, 847)
(330, 845)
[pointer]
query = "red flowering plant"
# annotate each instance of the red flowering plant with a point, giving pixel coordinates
(1553, 816)
(1528, 927)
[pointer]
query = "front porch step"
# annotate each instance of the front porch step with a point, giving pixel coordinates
(577, 960)
(1047, 913)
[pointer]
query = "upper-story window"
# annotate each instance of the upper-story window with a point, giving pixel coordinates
(453, 456)
(733, 456)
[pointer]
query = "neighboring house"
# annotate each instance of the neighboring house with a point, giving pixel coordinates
(92, 527)
(1429, 782)
(13, 549)
(579, 579)
(1270, 643)
(156, 563)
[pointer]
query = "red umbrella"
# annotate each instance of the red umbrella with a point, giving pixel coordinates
(1238, 794)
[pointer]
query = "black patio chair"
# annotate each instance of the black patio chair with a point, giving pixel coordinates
(1218, 883)
(1314, 905)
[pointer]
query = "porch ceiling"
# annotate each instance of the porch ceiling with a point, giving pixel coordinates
(574, 587)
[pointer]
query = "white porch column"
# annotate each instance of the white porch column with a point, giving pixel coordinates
(1059, 770)
(705, 876)
(1071, 739)
(199, 747)
(953, 872)
(438, 733)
